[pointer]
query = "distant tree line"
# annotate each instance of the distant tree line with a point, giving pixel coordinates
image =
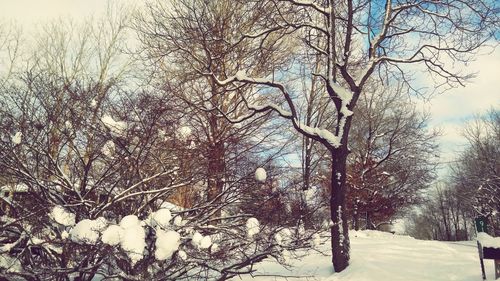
(472, 191)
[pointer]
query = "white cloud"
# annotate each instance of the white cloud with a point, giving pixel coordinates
(29, 13)
(451, 110)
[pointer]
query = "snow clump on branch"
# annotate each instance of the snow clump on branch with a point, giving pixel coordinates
(253, 227)
(62, 216)
(117, 128)
(260, 175)
(16, 139)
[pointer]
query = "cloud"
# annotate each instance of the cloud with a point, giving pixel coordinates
(29, 13)
(451, 110)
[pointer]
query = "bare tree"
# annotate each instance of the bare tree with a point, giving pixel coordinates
(94, 164)
(392, 160)
(476, 174)
(357, 41)
(205, 27)
(443, 216)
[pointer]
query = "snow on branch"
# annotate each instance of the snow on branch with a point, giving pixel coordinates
(311, 4)
(319, 134)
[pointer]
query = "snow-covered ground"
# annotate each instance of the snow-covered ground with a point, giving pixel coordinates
(380, 256)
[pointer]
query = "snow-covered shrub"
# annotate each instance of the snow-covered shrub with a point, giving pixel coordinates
(116, 181)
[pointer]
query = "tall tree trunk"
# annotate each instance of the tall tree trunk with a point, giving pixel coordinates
(216, 168)
(369, 223)
(339, 228)
(466, 231)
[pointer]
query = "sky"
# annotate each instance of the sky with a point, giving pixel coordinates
(29, 12)
(449, 111)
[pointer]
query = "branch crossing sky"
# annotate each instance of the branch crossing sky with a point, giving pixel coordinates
(450, 111)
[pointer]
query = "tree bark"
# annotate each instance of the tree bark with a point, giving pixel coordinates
(339, 228)
(216, 169)
(356, 216)
(369, 223)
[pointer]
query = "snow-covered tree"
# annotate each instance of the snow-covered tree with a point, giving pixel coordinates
(224, 144)
(94, 163)
(393, 157)
(357, 41)
(476, 173)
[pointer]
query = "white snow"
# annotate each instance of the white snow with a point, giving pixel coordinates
(62, 216)
(133, 240)
(184, 132)
(241, 75)
(171, 206)
(272, 106)
(487, 241)
(196, 239)
(20, 187)
(178, 221)
(182, 255)
(331, 138)
(108, 149)
(339, 225)
(68, 125)
(16, 139)
(10, 264)
(253, 227)
(160, 218)
(205, 242)
(87, 231)
(381, 256)
(200, 241)
(112, 235)
(129, 221)
(161, 133)
(316, 240)
(116, 127)
(167, 242)
(310, 195)
(283, 237)
(260, 175)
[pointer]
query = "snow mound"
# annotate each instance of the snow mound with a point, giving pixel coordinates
(133, 240)
(260, 175)
(16, 139)
(129, 221)
(108, 149)
(253, 227)
(160, 218)
(283, 237)
(488, 241)
(182, 255)
(116, 127)
(62, 216)
(167, 242)
(87, 231)
(112, 235)
(196, 239)
(184, 132)
(200, 241)
(205, 242)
